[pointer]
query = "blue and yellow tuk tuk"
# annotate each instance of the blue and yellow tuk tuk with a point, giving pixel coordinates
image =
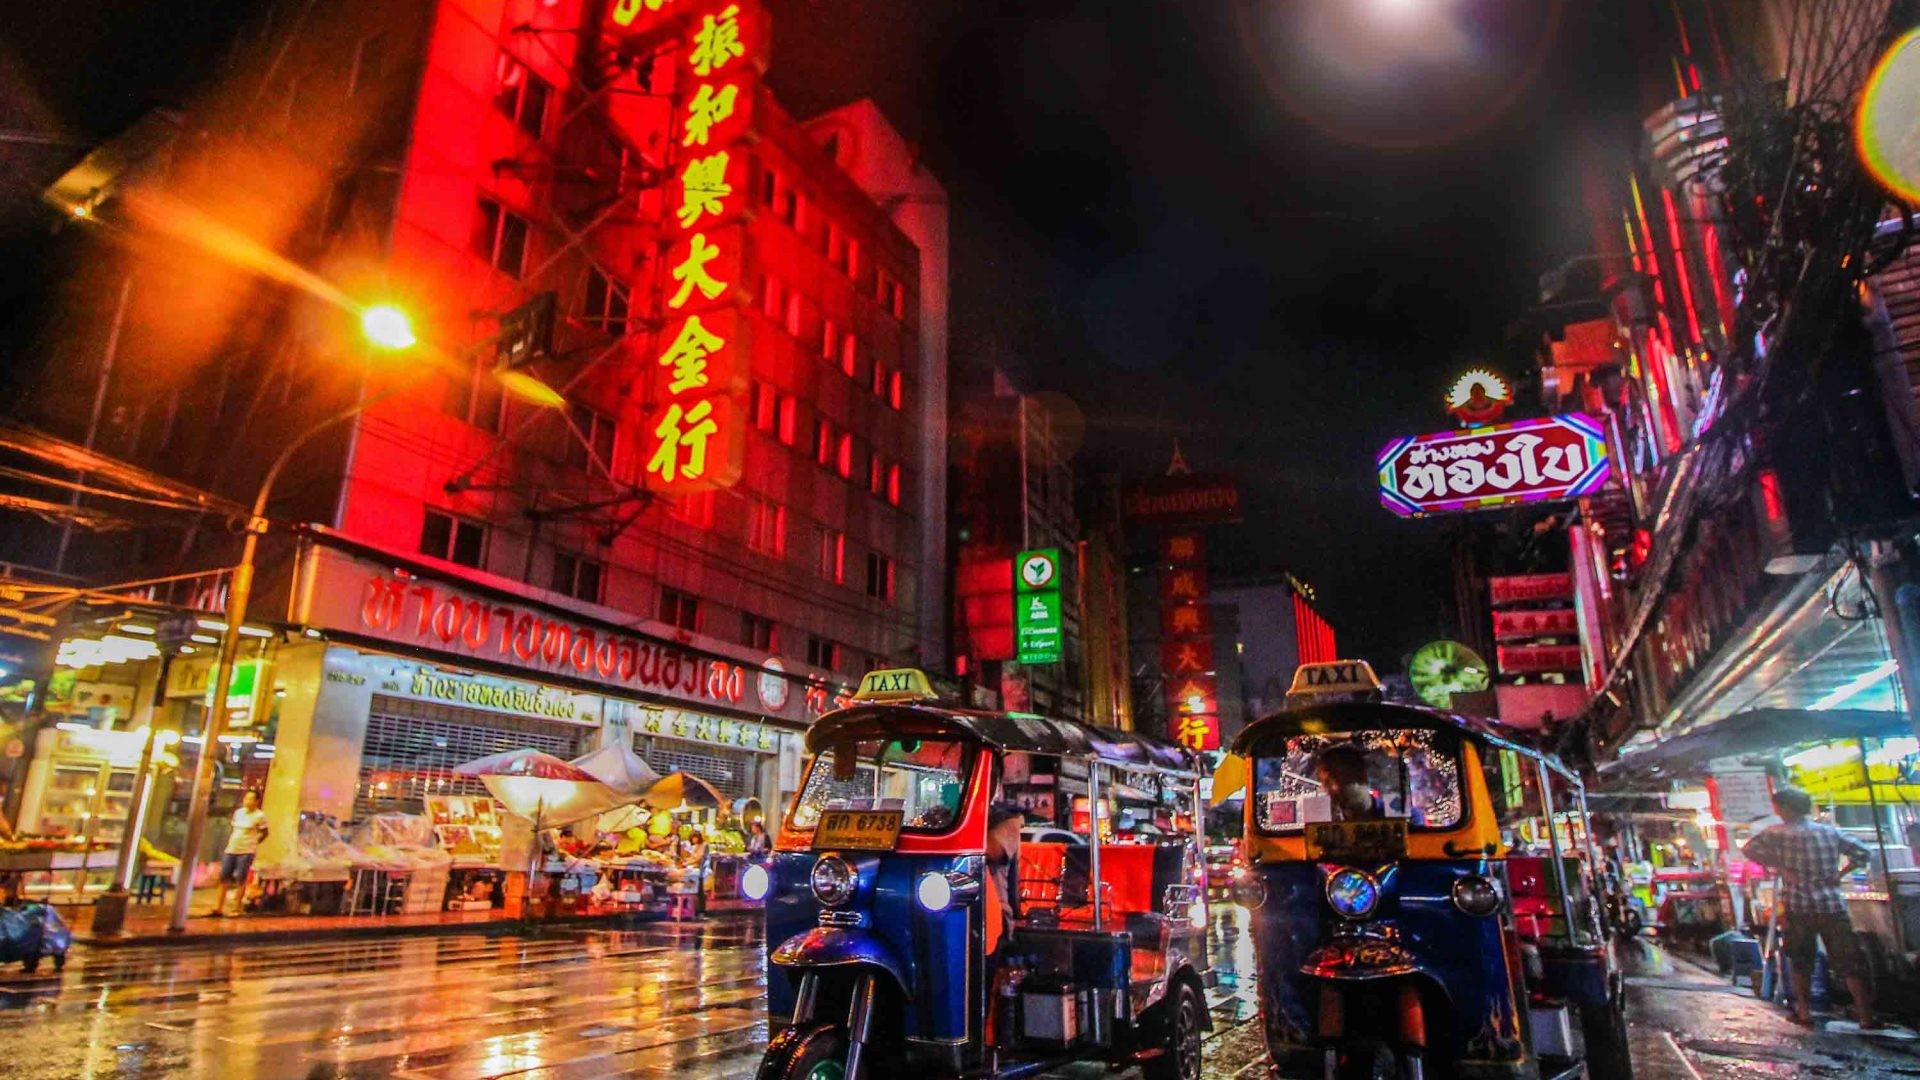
(889, 954)
(1401, 927)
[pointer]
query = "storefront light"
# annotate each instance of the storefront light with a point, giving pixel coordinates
(132, 628)
(1855, 686)
(1824, 756)
(1893, 751)
(205, 639)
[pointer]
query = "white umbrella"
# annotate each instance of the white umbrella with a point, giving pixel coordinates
(618, 767)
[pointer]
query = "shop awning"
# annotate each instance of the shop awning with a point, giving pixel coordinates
(1756, 731)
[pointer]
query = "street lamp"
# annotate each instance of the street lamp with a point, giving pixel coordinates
(388, 327)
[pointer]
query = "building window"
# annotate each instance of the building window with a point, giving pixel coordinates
(833, 556)
(849, 356)
(824, 443)
(476, 397)
(790, 207)
(522, 97)
(789, 419)
(896, 389)
(822, 653)
(606, 303)
(766, 406)
(695, 509)
(853, 258)
(876, 477)
(878, 384)
(893, 485)
(899, 301)
(879, 576)
(767, 528)
(678, 609)
(590, 429)
(829, 339)
(456, 540)
(757, 633)
(772, 300)
(836, 245)
(500, 237)
(576, 576)
(795, 315)
(769, 186)
(843, 457)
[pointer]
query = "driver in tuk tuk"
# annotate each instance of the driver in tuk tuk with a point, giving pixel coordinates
(1342, 772)
(1004, 822)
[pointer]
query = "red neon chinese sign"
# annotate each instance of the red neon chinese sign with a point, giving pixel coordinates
(695, 432)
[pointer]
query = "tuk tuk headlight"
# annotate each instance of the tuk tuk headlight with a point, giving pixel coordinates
(833, 880)
(934, 891)
(1476, 895)
(1248, 890)
(754, 882)
(1353, 893)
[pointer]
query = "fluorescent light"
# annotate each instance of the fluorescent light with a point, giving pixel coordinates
(205, 639)
(245, 631)
(69, 725)
(1855, 686)
(130, 628)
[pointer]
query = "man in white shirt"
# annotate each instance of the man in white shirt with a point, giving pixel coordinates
(249, 828)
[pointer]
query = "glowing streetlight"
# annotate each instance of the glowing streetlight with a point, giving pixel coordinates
(388, 327)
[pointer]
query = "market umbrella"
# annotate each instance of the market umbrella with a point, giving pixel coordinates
(678, 789)
(542, 787)
(618, 767)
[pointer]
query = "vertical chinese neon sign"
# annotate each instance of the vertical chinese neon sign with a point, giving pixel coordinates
(698, 367)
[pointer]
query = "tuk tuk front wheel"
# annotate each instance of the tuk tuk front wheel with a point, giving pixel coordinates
(818, 1053)
(1183, 1031)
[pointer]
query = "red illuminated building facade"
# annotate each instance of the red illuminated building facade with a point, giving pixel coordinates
(733, 506)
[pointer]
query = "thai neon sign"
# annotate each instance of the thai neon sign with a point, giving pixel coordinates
(1556, 457)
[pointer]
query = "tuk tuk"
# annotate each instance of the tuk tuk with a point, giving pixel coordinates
(1398, 926)
(882, 961)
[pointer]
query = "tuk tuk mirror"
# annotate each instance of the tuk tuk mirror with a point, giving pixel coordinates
(846, 760)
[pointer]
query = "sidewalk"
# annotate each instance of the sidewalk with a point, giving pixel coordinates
(147, 925)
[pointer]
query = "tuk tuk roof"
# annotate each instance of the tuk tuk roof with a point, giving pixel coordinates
(1002, 731)
(1315, 718)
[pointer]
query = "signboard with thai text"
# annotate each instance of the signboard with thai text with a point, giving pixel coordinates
(1556, 457)
(343, 592)
(1525, 588)
(1186, 499)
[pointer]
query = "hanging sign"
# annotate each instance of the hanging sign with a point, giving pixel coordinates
(1556, 457)
(1036, 606)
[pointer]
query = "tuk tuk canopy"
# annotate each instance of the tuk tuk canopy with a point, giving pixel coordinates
(1022, 732)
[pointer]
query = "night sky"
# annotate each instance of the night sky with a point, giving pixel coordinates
(1269, 228)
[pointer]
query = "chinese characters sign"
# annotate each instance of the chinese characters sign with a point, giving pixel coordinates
(1186, 643)
(695, 435)
(1557, 457)
(1036, 606)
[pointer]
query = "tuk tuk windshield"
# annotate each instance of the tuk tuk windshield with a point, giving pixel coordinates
(924, 779)
(1411, 773)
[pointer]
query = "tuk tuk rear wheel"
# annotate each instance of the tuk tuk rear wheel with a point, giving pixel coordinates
(816, 1054)
(1603, 1028)
(1183, 1031)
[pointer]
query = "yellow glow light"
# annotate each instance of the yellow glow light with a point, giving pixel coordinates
(388, 327)
(1886, 127)
(529, 389)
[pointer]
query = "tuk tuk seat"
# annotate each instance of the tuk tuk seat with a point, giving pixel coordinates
(1055, 877)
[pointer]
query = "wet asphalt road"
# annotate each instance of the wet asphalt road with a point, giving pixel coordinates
(679, 1001)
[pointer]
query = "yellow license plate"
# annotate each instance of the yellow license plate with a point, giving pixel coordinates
(860, 830)
(1357, 840)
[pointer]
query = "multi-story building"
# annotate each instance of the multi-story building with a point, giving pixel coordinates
(715, 499)
(1014, 491)
(1738, 350)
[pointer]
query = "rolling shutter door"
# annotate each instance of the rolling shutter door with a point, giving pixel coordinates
(413, 747)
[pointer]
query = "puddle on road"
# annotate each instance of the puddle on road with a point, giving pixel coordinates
(1781, 1060)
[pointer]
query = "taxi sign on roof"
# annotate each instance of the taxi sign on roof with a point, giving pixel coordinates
(896, 684)
(1337, 677)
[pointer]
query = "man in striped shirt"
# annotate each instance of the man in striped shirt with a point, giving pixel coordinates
(1811, 857)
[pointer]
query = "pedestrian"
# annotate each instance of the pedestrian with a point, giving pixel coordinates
(249, 829)
(1811, 857)
(759, 844)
